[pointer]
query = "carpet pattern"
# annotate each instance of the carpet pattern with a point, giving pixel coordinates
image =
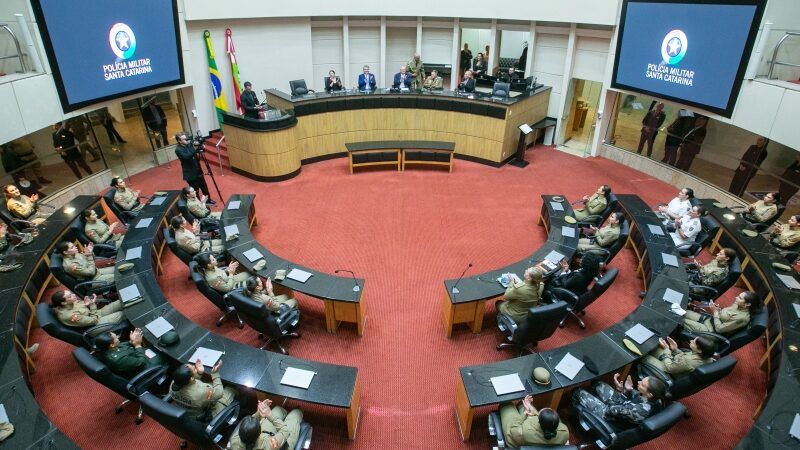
(404, 232)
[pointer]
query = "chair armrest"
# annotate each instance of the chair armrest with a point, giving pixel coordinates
(605, 432)
(146, 378)
(496, 429)
(222, 421)
(564, 294)
(507, 322)
(724, 342)
(599, 251)
(84, 287)
(286, 314)
(704, 290)
(105, 247)
(653, 371)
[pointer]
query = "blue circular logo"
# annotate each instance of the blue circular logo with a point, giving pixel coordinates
(673, 47)
(122, 40)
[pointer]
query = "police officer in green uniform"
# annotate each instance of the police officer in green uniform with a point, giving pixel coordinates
(788, 235)
(198, 206)
(22, 206)
(417, 69)
(186, 236)
(603, 237)
(763, 210)
(126, 359)
(74, 312)
(222, 280)
(256, 290)
(81, 265)
(595, 204)
(714, 272)
(98, 231)
(126, 198)
(268, 429)
(725, 320)
(670, 359)
(199, 398)
(525, 425)
(522, 295)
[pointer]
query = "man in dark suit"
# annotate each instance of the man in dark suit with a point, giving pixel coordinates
(675, 133)
(509, 76)
(366, 81)
(66, 146)
(156, 121)
(402, 79)
(190, 166)
(250, 102)
(650, 124)
(466, 59)
(468, 83)
(692, 143)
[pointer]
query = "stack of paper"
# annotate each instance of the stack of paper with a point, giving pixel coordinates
(556, 206)
(129, 294)
(507, 384)
(676, 309)
(670, 260)
(568, 231)
(789, 281)
(231, 230)
(554, 257)
(655, 229)
(297, 377)
(569, 366)
(157, 201)
(253, 255)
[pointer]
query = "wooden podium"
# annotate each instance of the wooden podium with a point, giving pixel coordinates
(519, 158)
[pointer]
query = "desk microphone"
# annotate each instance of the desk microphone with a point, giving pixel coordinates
(356, 288)
(455, 286)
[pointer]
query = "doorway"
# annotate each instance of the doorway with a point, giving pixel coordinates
(580, 118)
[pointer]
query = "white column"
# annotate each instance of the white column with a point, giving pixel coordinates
(456, 54)
(383, 79)
(531, 50)
(419, 37)
(605, 105)
(494, 51)
(346, 52)
(566, 80)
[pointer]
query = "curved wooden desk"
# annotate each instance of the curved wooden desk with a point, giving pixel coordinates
(265, 150)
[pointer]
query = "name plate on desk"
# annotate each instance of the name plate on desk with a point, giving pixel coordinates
(670, 260)
(568, 231)
(569, 366)
(157, 201)
(144, 223)
(133, 253)
(556, 206)
(299, 275)
(297, 377)
(507, 384)
(234, 204)
(655, 229)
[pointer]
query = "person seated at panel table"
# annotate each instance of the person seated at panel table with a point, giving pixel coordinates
(433, 81)
(714, 272)
(82, 266)
(200, 399)
(624, 404)
(187, 236)
(22, 206)
(222, 279)
(724, 321)
(524, 425)
(522, 295)
(249, 101)
(126, 359)
(677, 207)
(198, 206)
(402, 79)
(263, 293)
(98, 231)
(763, 210)
(576, 281)
(688, 227)
(509, 76)
(269, 428)
(366, 81)
(125, 198)
(468, 83)
(788, 235)
(603, 237)
(594, 204)
(674, 361)
(73, 311)
(333, 83)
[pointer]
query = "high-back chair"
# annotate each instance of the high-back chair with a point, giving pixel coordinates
(273, 328)
(216, 297)
(540, 323)
(578, 303)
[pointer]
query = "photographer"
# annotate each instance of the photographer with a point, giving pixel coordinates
(188, 151)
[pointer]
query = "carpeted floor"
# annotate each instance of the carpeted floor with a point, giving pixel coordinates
(404, 233)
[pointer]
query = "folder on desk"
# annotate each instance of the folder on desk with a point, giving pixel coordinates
(557, 206)
(156, 201)
(656, 229)
(673, 297)
(207, 356)
(231, 230)
(670, 260)
(144, 223)
(158, 327)
(569, 366)
(299, 275)
(133, 253)
(568, 231)
(297, 377)
(507, 384)
(639, 333)
(554, 257)
(234, 204)
(130, 295)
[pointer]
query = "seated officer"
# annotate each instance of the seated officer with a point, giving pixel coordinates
(688, 227)
(433, 81)
(98, 231)
(525, 425)
(81, 265)
(726, 320)
(576, 281)
(763, 210)
(625, 404)
(678, 206)
(127, 199)
(604, 237)
(199, 398)
(3, 237)
(197, 206)
(594, 204)
(672, 360)
(186, 236)
(126, 359)
(714, 272)
(267, 429)
(222, 280)
(74, 312)
(256, 290)
(522, 295)
(22, 206)
(786, 236)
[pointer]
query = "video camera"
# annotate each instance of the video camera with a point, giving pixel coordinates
(198, 142)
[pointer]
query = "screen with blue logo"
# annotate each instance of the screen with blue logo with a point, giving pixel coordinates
(101, 49)
(690, 52)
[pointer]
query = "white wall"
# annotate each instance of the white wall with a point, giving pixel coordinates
(327, 52)
(548, 66)
(365, 49)
(591, 54)
(401, 43)
(511, 43)
(437, 45)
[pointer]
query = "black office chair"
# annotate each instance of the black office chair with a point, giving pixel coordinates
(176, 250)
(79, 287)
(216, 297)
(15, 224)
(707, 293)
(540, 323)
(271, 327)
(597, 219)
(612, 437)
(708, 229)
(207, 224)
(186, 426)
(77, 228)
(607, 254)
(578, 303)
(298, 87)
(496, 430)
(99, 372)
(501, 90)
(764, 226)
(690, 383)
(48, 321)
(124, 216)
(726, 345)
(303, 439)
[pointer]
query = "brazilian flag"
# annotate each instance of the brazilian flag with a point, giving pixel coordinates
(216, 82)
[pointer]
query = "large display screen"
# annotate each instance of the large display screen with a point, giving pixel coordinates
(103, 49)
(690, 51)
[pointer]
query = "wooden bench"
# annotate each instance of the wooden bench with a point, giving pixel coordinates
(400, 153)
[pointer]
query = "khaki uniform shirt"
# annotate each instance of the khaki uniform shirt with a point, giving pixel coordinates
(127, 200)
(85, 266)
(596, 204)
(433, 83)
(607, 235)
(786, 238)
(220, 280)
(730, 319)
(762, 212)
(521, 429)
(195, 395)
(21, 207)
(189, 242)
(197, 208)
(519, 298)
(272, 424)
(78, 314)
(273, 302)
(713, 273)
(682, 361)
(100, 233)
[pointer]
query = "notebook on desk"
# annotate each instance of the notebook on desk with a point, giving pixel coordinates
(158, 327)
(673, 297)
(130, 295)
(231, 230)
(157, 201)
(299, 275)
(670, 260)
(554, 257)
(556, 206)
(569, 366)
(656, 230)
(507, 384)
(567, 231)
(207, 356)
(639, 333)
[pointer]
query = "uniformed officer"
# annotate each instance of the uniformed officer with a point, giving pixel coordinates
(222, 280)
(126, 359)
(726, 320)
(198, 206)
(625, 403)
(525, 425)
(3, 237)
(688, 227)
(786, 236)
(127, 199)
(258, 291)
(715, 271)
(763, 210)
(199, 398)
(81, 265)
(604, 237)
(595, 204)
(417, 69)
(186, 236)
(433, 81)
(672, 360)
(268, 429)
(522, 295)
(74, 312)
(98, 231)
(23, 206)
(678, 206)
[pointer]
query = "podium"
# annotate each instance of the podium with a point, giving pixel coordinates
(519, 158)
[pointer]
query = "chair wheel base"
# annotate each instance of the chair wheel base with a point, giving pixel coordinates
(118, 409)
(138, 421)
(184, 444)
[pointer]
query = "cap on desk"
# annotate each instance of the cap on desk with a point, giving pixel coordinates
(541, 376)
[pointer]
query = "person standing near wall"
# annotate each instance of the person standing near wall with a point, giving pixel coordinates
(748, 166)
(650, 125)
(675, 133)
(66, 146)
(692, 143)
(789, 181)
(190, 166)
(466, 60)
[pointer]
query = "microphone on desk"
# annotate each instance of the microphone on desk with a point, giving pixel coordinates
(356, 288)
(455, 286)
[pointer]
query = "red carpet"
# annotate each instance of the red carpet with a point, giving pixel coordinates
(404, 233)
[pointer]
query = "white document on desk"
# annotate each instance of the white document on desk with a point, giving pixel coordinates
(158, 327)
(639, 333)
(149, 353)
(569, 366)
(253, 255)
(230, 230)
(3, 414)
(297, 377)
(567, 231)
(157, 201)
(299, 275)
(677, 310)
(670, 260)
(507, 384)
(234, 204)
(144, 223)
(789, 281)
(557, 206)
(133, 253)
(207, 356)
(129, 293)
(554, 257)
(525, 128)
(655, 229)
(794, 430)
(673, 297)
